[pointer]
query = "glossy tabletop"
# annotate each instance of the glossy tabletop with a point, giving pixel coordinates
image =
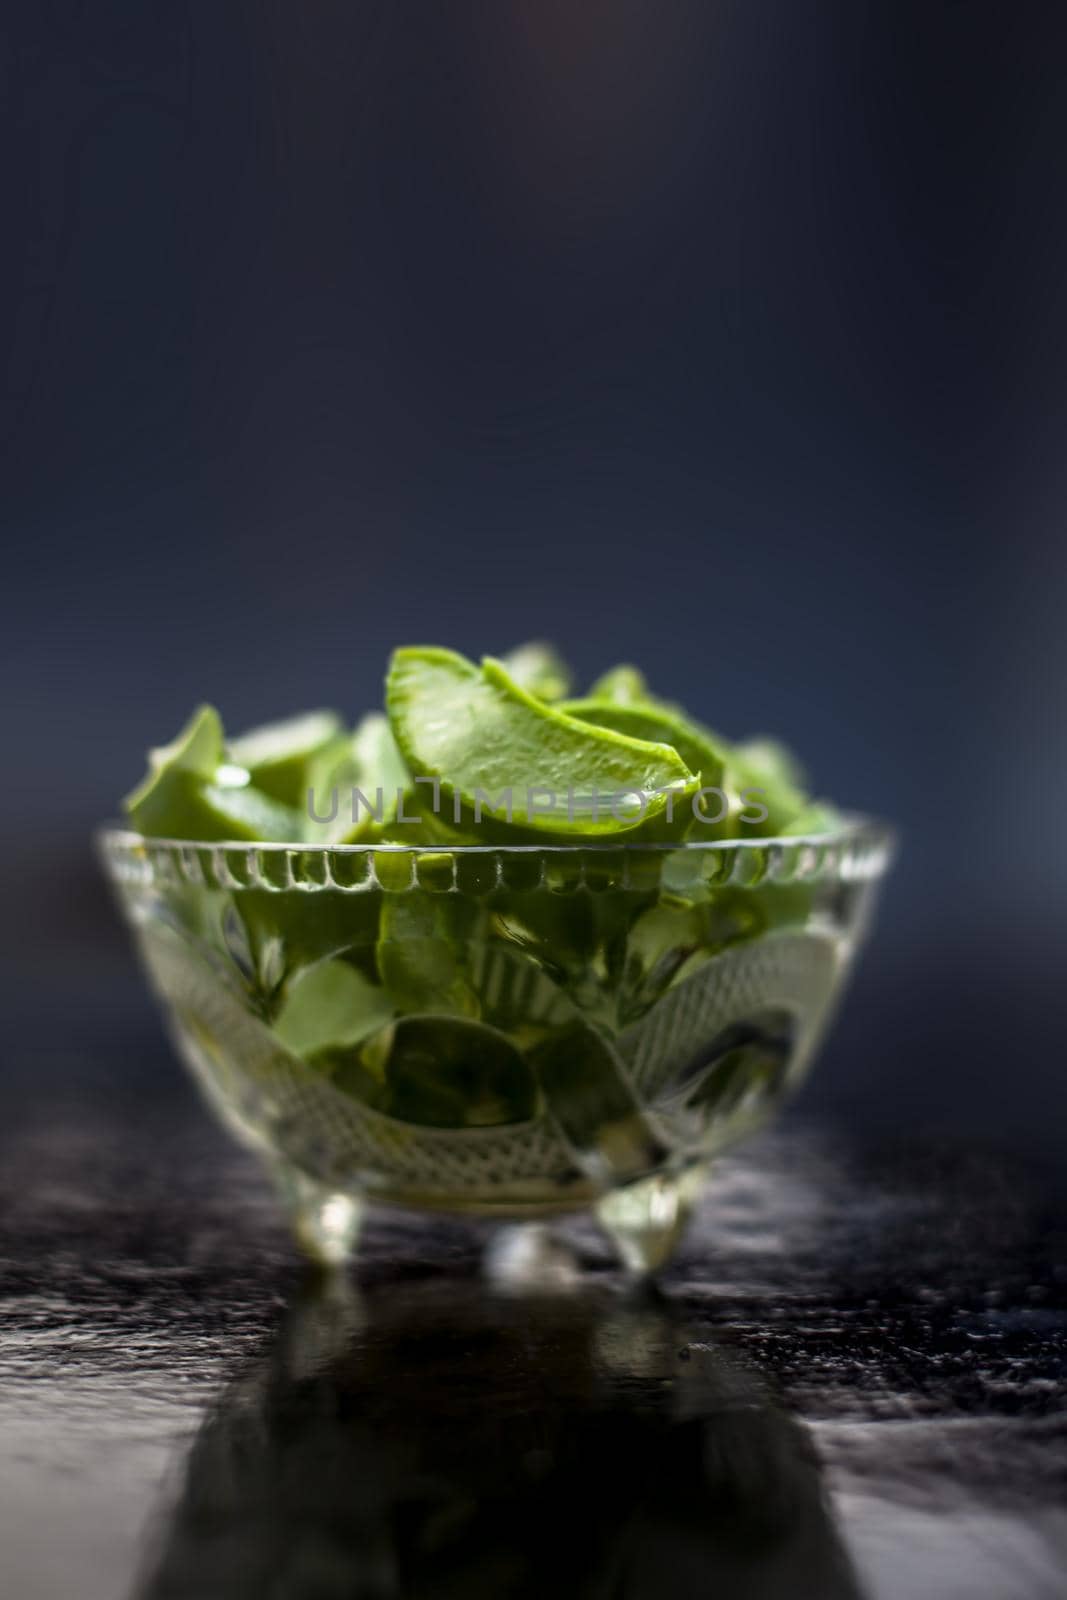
(849, 1384)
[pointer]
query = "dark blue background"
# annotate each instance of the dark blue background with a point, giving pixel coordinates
(729, 337)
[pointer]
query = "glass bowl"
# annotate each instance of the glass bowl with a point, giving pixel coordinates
(500, 1030)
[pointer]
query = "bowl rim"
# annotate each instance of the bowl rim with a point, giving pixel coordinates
(854, 825)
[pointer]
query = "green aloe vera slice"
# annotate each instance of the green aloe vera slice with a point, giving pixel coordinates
(278, 755)
(772, 766)
(191, 792)
(479, 734)
(818, 817)
(766, 765)
(423, 950)
(623, 685)
(539, 669)
(445, 1072)
(185, 808)
(654, 723)
(286, 930)
(199, 749)
(355, 1069)
(773, 762)
(622, 698)
(378, 755)
(367, 760)
(587, 1088)
(782, 801)
(380, 766)
(330, 1005)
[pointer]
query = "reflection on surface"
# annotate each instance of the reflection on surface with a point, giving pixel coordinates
(439, 1439)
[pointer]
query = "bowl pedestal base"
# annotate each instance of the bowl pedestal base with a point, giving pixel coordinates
(644, 1221)
(325, 1222)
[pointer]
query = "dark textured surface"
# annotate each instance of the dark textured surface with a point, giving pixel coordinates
(849, 1384)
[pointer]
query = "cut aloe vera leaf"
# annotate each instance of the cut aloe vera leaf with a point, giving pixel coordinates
(445, 1072)
(622, 685)
(422, 951)
(288, 929)
(780, 905)
(539, 669)
(480, 735)
(772, 761)
(182, 806)
(353, 786)
(588, 1092)
(197, 752)
(192, 792)
(253, 815)
(415, 824)
(751, 788)
(355, 1070)
(584, 1084)
(418, 973)
(689, 925)
(818, 817)
(327, 1005)
(277, 756)
(677, 935)
(326, 803)
(577, 938)
(383, 777)
(694, 744)
(622, 699)
(660, 942)
(377, 755)
(200, 748)
(767, 766)
(558, 930)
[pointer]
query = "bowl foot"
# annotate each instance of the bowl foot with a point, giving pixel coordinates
(646, 1220)
(530, 1258)
(325, 1222)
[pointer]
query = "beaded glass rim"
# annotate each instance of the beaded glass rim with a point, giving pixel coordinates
(860, 849)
